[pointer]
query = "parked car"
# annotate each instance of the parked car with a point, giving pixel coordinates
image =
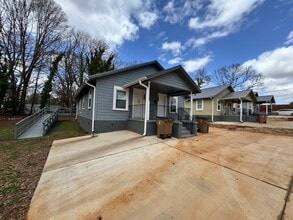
(285, 112)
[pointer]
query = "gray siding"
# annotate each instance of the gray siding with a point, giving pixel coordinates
(105, 88)
(173, 80)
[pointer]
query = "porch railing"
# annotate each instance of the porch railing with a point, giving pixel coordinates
(178, 114)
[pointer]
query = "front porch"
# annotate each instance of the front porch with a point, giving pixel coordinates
(158, 96)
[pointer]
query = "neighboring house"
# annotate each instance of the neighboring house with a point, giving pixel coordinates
(208, 102)
(266, 101)
(239, 103)
(221, 103)
(133, 97)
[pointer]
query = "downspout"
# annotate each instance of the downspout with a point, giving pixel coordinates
(212, 99)
(147, 104)
(241, 110)
(94, 108)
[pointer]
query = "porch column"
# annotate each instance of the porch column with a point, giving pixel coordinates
(147, 100)
(191, 106)
(267, 105)
(241, 110)
(212, 100)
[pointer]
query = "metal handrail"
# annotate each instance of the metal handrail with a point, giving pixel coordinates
(24, 124)
(47, 124)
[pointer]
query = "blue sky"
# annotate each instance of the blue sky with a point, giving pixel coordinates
(197, 34)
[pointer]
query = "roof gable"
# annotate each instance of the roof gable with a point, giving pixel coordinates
(212, 92)
(176, 75)
(128, 68)
(246, 95)
(266, 99)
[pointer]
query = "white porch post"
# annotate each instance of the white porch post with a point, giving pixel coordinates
(148, 89)
(191, 106)
(241, 110)
(212, 100)
(267, 105)
(147, 105)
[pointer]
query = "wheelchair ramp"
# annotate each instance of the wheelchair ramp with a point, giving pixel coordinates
(36, 130)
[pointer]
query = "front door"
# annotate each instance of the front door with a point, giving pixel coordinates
(162, 105)
(138, 103)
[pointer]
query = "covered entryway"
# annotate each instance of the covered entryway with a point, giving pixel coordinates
(162, 105)
(138, 103)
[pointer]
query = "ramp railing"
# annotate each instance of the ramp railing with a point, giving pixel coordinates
(47, 124)
(24, 124)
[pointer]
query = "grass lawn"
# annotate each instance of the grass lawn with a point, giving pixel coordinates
(22, 162)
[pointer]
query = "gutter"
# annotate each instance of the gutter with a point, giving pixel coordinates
(94, 108)
(147, 103)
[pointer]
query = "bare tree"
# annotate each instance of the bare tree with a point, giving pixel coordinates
(238, 76)
(202, 77)
(30, 32)
(84, 56)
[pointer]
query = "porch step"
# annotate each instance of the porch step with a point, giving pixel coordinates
(185, 132)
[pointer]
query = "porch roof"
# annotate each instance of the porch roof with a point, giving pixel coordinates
(266, 99)
(173, 81)
(212, 92)
(246, 95)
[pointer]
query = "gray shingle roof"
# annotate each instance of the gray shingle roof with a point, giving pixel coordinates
(210, 92)
(240, 94)
(266, 99)
(178, 69)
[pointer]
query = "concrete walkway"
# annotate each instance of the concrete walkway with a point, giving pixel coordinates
(224, 174)
(35, 130)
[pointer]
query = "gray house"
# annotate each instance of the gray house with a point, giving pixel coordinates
(134, 97)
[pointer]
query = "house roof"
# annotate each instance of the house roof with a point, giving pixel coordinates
(246, 95)
(211, 92)
(99, 75)
(178, 69)
(266, 99)
(116, 71)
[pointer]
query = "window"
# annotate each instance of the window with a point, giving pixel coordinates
(199, 104)
(120, 99)
(218, 105)
(173, 104)
(90, 99)
(83, 103)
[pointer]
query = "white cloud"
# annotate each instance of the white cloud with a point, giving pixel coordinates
(224, 13)
(221, 18)
(195, 64)
(177, 11)
(112, 21)
(176, 60)
(196, 42)
(175, 47)
(276, 66)
(289, 39)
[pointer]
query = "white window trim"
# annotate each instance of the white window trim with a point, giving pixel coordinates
(90, 97)
(176, 110)
(114, 98)
(196, 105)
(219, 103)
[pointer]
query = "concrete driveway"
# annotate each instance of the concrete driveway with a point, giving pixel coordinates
(121, 175)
